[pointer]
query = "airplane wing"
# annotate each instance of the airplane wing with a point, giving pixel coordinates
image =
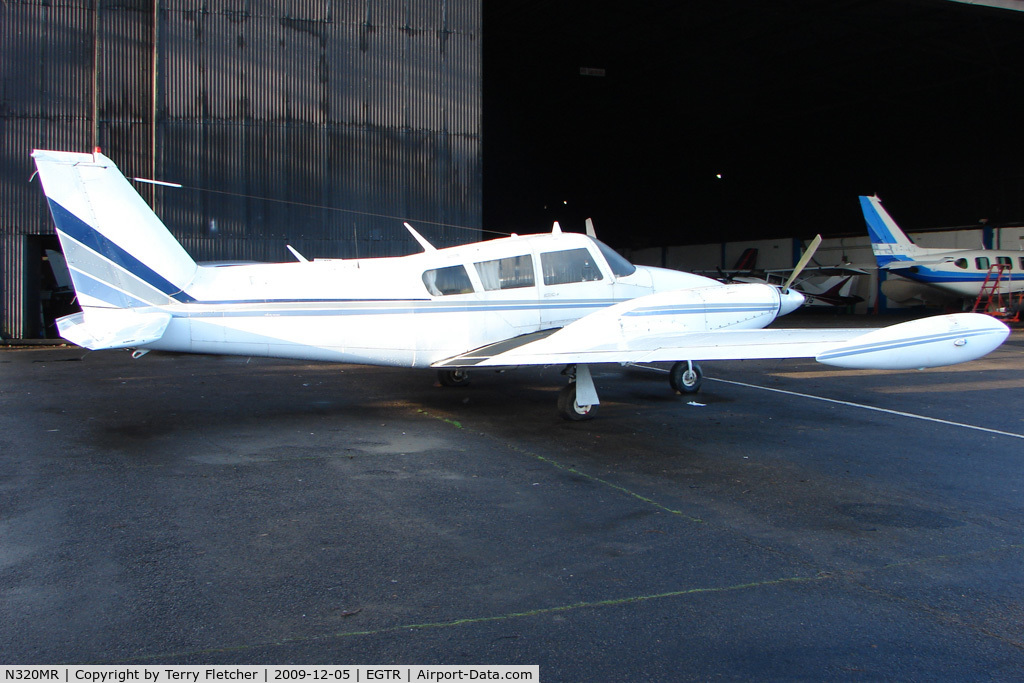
(554, 348)
(630, 333)
(821, 270)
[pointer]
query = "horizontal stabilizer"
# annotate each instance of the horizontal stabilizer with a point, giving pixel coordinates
(113, 328)
(925, 343)
(899, 265)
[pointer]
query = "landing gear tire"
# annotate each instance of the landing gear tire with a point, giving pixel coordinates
(453, 378)
(686, 377)
(570, 409)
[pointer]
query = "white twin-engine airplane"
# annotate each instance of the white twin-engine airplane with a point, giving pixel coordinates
(547, 299)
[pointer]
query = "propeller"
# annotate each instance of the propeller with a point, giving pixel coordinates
(802, 263)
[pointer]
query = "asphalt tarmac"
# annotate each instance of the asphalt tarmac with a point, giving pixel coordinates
(790, 522)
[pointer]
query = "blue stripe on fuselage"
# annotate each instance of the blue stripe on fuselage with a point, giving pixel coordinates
(925, 274)
(689, 309)
(379, 307)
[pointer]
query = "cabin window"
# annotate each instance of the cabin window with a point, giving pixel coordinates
(572, 265)
(961, 263)
(981, 263)
(506, 273)
(450, 280)
(1022, 262)
(1006, 261)
(619, 265)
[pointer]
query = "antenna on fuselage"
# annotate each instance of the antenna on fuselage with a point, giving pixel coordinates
(556, 229)
(296, 254)
(427, 246)
(590, 228)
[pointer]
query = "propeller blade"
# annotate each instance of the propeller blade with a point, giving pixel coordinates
(802, 263)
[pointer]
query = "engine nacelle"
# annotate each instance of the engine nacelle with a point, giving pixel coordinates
(736, 306)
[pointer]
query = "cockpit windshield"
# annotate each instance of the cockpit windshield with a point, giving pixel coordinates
(619, 265)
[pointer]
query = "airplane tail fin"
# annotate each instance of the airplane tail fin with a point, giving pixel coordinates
(121, 256)
(119, 253)
(747, 260)
(888, 242)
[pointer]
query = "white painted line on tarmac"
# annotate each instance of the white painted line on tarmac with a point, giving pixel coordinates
(875, 408)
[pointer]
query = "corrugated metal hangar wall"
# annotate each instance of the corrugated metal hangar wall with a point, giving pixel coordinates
(265, 111)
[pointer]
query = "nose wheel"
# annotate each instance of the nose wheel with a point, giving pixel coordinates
(453, 378)
(686, 377)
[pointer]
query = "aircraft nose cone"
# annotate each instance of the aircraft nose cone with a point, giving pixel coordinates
(789, 301)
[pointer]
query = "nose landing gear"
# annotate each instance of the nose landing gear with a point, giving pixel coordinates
(686, 377)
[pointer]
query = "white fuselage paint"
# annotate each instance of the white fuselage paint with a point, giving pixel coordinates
(963, 272)
(379, 311)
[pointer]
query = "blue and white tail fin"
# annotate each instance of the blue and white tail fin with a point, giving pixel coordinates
(888, 242)
(123, 261)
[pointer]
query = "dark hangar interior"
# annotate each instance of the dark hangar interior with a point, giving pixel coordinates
(683, 123)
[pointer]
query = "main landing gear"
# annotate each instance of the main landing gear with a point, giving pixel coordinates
(578, 400)
(453, 378)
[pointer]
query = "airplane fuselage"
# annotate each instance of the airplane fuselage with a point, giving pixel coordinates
(962, 272)
(416, 310)
(959, 272)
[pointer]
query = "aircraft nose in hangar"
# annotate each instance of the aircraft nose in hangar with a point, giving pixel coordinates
(789, 301)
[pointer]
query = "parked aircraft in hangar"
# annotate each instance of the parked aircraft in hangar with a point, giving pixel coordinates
(821, 285)
(933, 275)
(548, 299)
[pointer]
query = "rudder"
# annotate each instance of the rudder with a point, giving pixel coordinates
(888, 242)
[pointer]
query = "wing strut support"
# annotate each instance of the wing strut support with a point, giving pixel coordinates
(586, 392)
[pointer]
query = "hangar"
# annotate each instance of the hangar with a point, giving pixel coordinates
(670, 124)
(265, 112)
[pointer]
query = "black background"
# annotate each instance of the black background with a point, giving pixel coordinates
(799, 106)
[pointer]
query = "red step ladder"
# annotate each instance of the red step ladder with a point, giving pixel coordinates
(999, 274)
(990, 289)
